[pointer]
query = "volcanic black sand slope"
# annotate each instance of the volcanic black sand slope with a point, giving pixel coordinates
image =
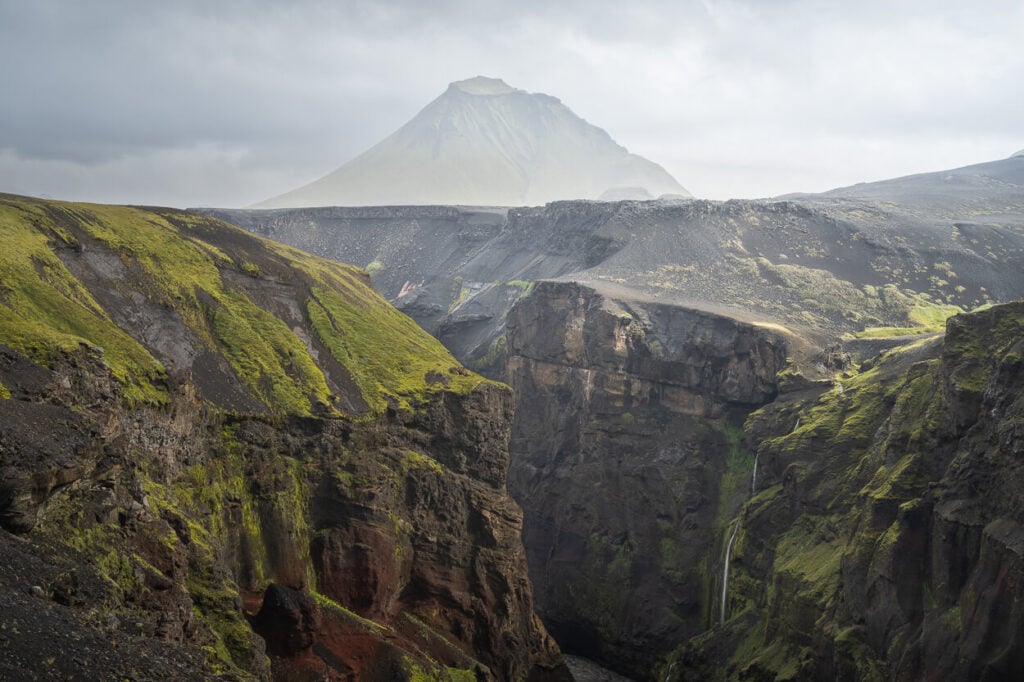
(222, 457)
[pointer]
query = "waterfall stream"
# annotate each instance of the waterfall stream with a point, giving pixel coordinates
(725, 571)
(735, 529)
(753, 478)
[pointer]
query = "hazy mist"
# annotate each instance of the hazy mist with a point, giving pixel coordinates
(192, 103)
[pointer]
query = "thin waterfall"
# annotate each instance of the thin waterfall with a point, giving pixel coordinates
(753, 479)
(725, 571)
(735, 529)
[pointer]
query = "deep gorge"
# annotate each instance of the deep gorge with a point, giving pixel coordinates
(233, 458)
(641, 418)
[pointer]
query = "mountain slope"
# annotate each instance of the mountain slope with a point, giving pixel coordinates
(222, 457)
(485, 143)
(164, 291)
(986, 189)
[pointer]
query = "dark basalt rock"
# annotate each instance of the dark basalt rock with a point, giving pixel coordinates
(889, 523)
(626, 461)
(404, 523)
(288, 620)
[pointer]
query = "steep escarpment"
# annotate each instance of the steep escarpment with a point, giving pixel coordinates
(629, 460)
(884, 540)
(222, 456)
(830, 266)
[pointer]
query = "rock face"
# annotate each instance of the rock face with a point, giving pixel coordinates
(629, 461)
(483, 143)
(884, 539)
(222, 457)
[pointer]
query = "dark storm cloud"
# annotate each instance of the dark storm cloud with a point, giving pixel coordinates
(229, 102)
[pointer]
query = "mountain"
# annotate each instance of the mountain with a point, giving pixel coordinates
(223, 458)
(485, 143)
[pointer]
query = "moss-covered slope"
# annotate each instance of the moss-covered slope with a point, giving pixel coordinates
(160, 291)
(884, 539)
(223, 457)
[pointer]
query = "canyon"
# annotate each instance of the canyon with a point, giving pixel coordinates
(745, 439)
(660, 351)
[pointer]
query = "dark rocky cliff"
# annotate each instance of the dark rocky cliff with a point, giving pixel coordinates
(223, 457)
(630, 460)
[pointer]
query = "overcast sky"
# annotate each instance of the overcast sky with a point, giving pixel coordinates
(203, 102)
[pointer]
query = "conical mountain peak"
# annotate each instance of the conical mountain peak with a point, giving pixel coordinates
(486, 143)
(482, 85)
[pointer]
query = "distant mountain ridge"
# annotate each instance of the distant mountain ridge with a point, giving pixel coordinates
(485, 143)
(996, 186)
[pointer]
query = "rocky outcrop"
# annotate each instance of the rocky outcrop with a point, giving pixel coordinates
(884, 541)
(231, 459)
(628, 459)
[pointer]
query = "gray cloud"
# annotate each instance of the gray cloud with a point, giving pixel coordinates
(229, 102)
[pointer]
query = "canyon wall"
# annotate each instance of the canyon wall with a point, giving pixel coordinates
(629, 460)
(884, 540)
(223, 457)
(664, 352)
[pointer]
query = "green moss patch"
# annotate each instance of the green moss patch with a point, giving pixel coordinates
(388, 355)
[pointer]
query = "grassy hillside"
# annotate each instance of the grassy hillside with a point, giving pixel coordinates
(159, 291)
